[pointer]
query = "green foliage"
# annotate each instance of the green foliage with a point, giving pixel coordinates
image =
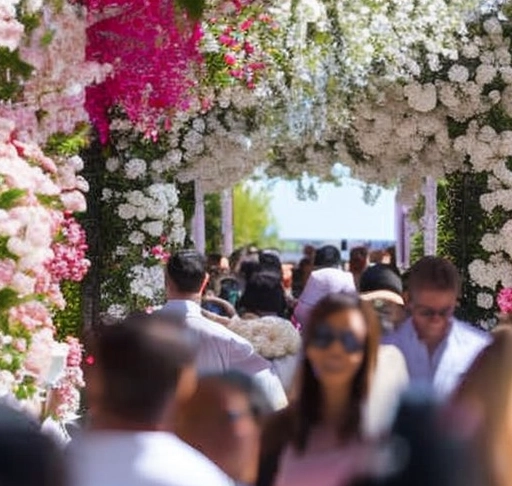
(68, 145)
(417, 243)
(461, 225)
(9, 198)
(68, 321)
(13, 71)
(194, 8)
(8, 298)
(253, 220)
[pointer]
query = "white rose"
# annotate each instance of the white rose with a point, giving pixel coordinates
(485, 74)
(106, 194)
(135, 168)
(493, 26)
(136, 198)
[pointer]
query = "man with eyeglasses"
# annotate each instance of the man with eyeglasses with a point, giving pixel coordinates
(437, 347)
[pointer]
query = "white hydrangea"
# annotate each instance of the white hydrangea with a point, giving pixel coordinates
(135, 168)
(113, 164)
(485, 300)
(126, 211)
(136, 238)
(136, 198)
(117, 311)
(106, 194)
(153, 228)
(422, 98)
(458, 74)
(147, 282)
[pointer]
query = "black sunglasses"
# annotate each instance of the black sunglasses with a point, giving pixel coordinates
(324, 336)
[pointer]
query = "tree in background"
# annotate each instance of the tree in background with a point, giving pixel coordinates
(253, 220)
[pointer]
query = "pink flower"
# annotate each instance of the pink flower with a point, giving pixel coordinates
(246, 25)
(227, 40)
(7, 269)
(504, 301)
(236, 73)
(230, 59)
(248, 48)
(39, 357)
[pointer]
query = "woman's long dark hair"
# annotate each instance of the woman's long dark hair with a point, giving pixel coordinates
(307, 409)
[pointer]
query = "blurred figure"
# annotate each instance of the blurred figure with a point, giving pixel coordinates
(486, 391)
(381, 286)
(424, 450)
(300, 276)
(273, 337)
(327, 257)
(27, 456)
(223, 420)
(270, 262)
(437, 347)
(145, 365)
(219, 348)
(320, 284)
(358, 262)
(315, 440)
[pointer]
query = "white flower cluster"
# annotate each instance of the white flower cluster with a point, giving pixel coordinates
(147, 282)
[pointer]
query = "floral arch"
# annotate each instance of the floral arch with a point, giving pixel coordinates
(124, 103)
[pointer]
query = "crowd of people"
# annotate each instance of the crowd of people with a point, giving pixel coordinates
(247, 375)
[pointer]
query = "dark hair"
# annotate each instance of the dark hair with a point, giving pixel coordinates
(243, 383)
(27, 456)
(140, 361)
(327, 256)
(380, 277)
(264, 294)
(187, 270)
(433, 273)
(358, 259)
(270, 261)
(308, 408)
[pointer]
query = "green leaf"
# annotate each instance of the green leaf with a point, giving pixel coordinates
(8, 298)
(4, 251)
(194, 8)
(8, 199)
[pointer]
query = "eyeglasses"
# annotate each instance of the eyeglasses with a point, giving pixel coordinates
(324, 337)
(431, 313)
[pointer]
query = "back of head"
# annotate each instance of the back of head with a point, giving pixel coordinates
(140, 361)
(433, 273)
(327, 257)
(270, 261)
(263, 294)
(380, 277)
(27, 456)
(186, 270)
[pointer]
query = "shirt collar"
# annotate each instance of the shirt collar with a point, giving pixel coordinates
(183, 306)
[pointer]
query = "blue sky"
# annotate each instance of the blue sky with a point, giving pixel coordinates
(338, 213)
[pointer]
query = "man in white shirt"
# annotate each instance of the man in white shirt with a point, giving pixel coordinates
(143, 365)
(438, 348)
(219, 348)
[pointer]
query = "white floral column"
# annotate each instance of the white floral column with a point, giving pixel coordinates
(429, 222)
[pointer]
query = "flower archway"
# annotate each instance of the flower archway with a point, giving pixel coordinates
(152, 98)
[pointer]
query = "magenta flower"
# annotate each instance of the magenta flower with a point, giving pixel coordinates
(505, 300)
(230, 59)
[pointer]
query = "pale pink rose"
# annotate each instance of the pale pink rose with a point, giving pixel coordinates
(20, 345)
(74, 201)
(8, 226)
(32, 315)
(7, 382)
(7, 269)
(19, 247)
(35, 259)
(39, 356)
(23, 284)
(11, 32)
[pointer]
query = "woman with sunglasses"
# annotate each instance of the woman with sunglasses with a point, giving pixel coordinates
(316, 439)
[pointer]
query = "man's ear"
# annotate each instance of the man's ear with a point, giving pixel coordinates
(407, 298)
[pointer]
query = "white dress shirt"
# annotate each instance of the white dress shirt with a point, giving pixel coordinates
(109, 458)
(221, 349)
(450, 361)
